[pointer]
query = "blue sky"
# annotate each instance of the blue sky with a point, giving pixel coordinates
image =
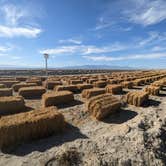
(83, 32)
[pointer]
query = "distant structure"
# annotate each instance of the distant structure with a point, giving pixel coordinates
(46, 56)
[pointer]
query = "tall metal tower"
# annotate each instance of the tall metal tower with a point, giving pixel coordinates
(46, 56)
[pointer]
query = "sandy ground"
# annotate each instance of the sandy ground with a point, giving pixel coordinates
(132, 136)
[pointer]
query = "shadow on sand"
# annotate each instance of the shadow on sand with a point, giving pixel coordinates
(71, 133)
(6, 113)
(75, 102)
(151, 102)
(120, 117)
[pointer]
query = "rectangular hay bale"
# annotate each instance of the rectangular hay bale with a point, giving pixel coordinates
(88, 93)
(29, 126)
(103, 105)
(32, 91)
(55, 98)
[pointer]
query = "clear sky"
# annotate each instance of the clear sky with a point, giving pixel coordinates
(83, 32)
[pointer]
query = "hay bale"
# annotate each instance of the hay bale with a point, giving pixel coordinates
(138, 82)
(29, 126)
(36, 81)
(114, 89)
(72, 88)
(113, 81)
(56, 98)
(88, 93)
(91, 81)
(50, 84)
(32, 92)
(74, 82)
(136, 98)
(22, 79)
(127, 84)
(12, 104)
(16, 87)
(152, 90)
(81, 87)
(100, 84)
(2, 86)
(103, 105)
(6, 92)
(9, 84)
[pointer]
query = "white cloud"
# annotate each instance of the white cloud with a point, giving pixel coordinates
(13, 13)
(4, 48)
(146, 12)
(130, 57)
(84, 49)
(29, 32)
(19, 21)
(74, 41)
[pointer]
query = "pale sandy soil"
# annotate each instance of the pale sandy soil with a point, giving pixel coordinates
(132, 136)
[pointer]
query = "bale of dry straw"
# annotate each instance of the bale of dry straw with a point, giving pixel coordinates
(29, 126)
(100, 84)
(50, 84)
(138, 82)
(72, 88)
(32, 92)
(75, 82)
(152, 90)
(88, 93)
(9, 84)
(6, 92)
(136, 98)
(81, 87)
(56, 98)
(11, 104)
(127, 84)
(103, 105)
(16, 87)
(114, 89)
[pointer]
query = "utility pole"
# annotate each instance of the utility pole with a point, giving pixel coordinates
(46, 56)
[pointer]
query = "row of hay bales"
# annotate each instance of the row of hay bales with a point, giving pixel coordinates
(41, 123)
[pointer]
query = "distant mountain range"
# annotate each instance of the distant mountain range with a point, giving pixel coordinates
(89, 67)
(92, 67)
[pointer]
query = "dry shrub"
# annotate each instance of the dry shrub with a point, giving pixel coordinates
(127, 84)
(75, 82)
(136, 98)
(56, 98)
(152, 90)
(9, 84)
(100, 84)
(32, 92)
(81, 87)
(16, 87)
(114, 89)
(103, 105)
(2, 86)
(72, 88)
(88, 93)
(11, 104)
(29, 126)
(6, 92)
(50, 84)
